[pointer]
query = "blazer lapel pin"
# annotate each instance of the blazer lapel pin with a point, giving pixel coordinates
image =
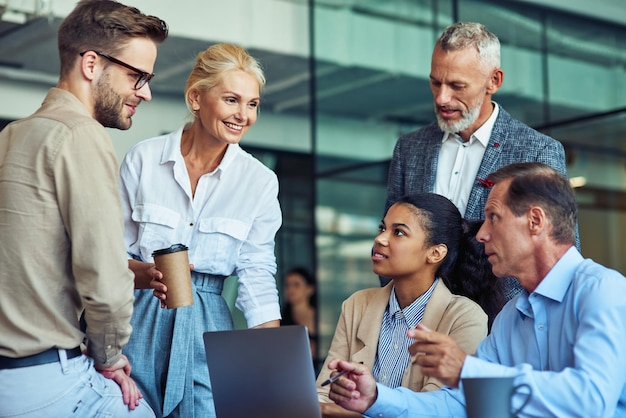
(485, 182)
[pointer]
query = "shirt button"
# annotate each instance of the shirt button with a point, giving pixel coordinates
(190, 223)
(540, 327)
(395, 346)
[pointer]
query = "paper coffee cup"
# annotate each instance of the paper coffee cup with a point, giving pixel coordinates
(173, 262)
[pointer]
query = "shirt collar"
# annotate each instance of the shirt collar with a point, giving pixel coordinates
(554, 286)
(414, 312)
(558, 279)
(483, 133)
(68, 99)
(171, 151)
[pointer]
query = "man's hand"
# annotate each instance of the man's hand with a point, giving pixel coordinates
(332, 410)
(120, 374)
(438, 355)
(355, 390)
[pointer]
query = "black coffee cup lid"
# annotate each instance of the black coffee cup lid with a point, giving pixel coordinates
(171, 249)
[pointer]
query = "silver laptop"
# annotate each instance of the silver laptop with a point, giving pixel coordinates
(262, 373)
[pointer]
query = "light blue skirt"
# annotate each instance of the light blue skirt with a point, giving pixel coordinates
(166, 349)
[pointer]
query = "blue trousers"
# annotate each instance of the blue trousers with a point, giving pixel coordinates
(66, 388)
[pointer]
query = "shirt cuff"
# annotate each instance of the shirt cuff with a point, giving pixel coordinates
(475, 367)
(262, 315)
(388, 404)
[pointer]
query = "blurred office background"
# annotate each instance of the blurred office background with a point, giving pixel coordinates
(345, 79)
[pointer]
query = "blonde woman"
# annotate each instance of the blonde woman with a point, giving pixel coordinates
(196, 186)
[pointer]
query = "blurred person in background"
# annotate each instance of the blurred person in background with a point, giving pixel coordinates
(300, 304)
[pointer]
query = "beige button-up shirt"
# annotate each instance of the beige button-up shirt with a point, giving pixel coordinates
(61, 235)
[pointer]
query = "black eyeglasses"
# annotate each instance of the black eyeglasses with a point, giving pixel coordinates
(144, 77)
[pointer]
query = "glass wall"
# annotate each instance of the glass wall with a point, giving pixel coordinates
(564, 75)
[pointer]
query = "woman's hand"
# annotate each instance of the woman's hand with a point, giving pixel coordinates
(159, 289)
(269, 324)
(147, 276)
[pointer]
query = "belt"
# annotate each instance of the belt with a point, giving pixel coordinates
(49, 356)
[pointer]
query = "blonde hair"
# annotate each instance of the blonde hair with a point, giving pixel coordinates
(212, 63)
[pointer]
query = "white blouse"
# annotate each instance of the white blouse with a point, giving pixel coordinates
(229, 225)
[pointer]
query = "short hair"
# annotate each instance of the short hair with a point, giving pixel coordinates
(462, 35)
(441, 221)
(106, 26)
(537, 184)
(212, 63)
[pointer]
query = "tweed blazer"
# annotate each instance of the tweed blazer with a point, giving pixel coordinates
(358, 330)
(414, 164)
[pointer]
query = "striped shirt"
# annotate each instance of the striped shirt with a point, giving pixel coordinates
(392, 355)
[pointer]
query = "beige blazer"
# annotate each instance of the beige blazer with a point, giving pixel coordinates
(358, 329)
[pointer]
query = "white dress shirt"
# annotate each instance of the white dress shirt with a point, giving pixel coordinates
(459, 162)
(229, 225)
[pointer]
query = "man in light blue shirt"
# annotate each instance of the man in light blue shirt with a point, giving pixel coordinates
(564, 336)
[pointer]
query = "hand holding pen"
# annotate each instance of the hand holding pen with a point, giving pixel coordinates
(334, 378)
(357, 391)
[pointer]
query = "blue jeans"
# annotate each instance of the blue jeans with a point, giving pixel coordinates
(68, 388)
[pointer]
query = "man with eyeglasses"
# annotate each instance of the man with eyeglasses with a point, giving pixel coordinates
(62, 251)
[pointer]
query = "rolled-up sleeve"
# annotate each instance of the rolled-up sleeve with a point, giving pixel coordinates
(258, 295)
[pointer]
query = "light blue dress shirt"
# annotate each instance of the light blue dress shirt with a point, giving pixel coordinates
(566, 340)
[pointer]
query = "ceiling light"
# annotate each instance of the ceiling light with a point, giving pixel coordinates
(579, 181)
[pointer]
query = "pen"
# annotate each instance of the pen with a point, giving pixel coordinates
(335, 377)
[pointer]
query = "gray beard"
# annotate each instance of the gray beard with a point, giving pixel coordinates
(467, 119)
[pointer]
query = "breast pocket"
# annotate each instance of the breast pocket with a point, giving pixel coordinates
(220, 240)
(157, 228)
